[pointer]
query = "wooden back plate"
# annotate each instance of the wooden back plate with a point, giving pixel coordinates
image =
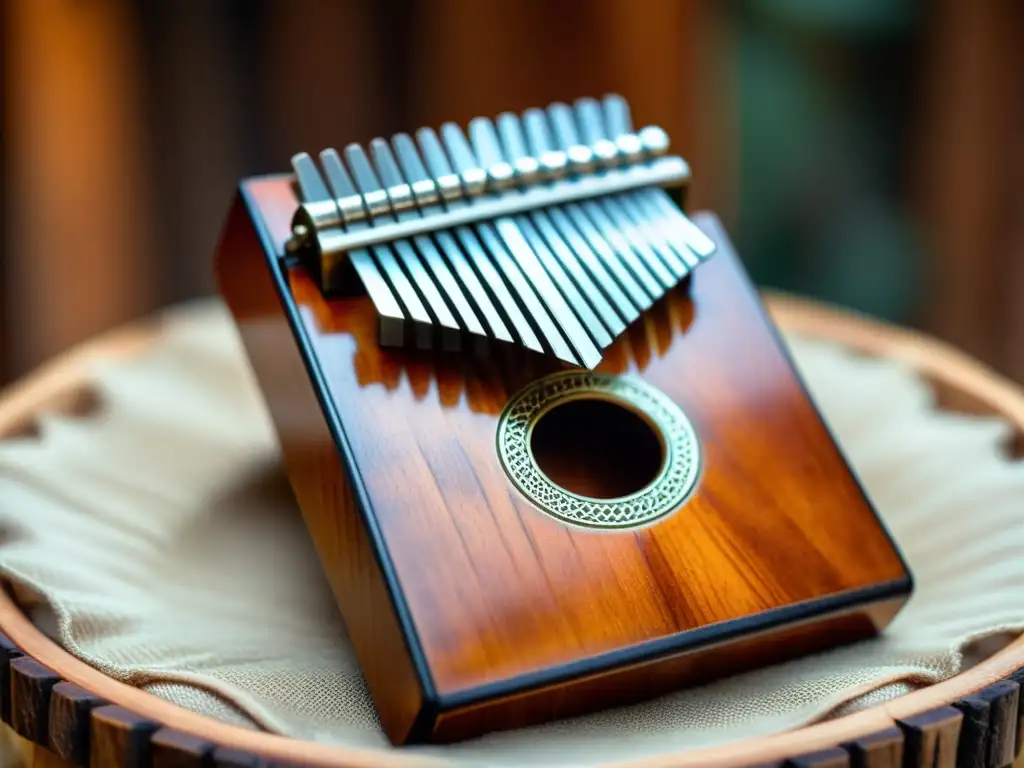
(491, 598)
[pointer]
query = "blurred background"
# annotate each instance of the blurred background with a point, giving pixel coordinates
(866, 152)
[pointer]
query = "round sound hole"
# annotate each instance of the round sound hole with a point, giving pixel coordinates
(597, 448)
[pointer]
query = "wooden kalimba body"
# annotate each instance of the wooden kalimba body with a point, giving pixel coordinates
(551, 452)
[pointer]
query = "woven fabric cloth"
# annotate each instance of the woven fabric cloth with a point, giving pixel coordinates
(157, 540)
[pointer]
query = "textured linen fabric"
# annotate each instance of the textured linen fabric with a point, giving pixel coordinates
(157, 540)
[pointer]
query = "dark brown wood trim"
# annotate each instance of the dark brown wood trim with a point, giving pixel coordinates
(983, 729)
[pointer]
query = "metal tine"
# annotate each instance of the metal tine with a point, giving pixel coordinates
(403, 203)
(528, 249)
(377, 205)
(384, 171)
(556, 163)
(620, 128)
(559, 225)
(616, 229)
(666, 214)
(391, 319)
(475, 180)
(526, 168)
(452, 192)
(590, 120)
(428, 198)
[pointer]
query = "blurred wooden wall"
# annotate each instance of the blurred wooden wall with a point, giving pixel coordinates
(128, 124)
(971, 178)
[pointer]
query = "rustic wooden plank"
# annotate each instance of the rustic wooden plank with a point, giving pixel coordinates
(989, 731)
(973, 747)
(930, 739)
(120, 739)
(173, 749)
(44, 758)
(883, 749)
(70, 722)
(837, 757)
(8, 651)
(31, 684)
(1003, 700)
(1018, 677)
(224, 757)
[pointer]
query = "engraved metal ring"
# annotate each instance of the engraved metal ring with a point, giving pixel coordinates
(666, 493)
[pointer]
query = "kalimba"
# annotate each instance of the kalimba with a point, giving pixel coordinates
(551, 452)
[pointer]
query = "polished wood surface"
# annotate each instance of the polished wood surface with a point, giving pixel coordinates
(495, 605)
(924, 722)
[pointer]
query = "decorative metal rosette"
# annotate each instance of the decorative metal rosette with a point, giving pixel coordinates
(666, 493)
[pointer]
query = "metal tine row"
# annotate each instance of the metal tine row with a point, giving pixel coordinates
(566, 279)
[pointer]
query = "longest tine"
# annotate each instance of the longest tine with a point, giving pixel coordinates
(593, 309)
(474, 179)
(528, 249)
(450, 187)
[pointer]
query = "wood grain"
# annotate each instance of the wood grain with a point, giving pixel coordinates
(931, 738)
(173, 749)
(70, 723)
(8, 652)
(31, 684)
(120, 739)
(882, 749)
(522, 618)
(240, 746)
(1018, 677)
(988, 733)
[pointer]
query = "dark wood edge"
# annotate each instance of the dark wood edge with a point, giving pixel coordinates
(983, 729)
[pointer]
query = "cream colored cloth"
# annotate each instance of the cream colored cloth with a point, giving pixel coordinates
(158, 541)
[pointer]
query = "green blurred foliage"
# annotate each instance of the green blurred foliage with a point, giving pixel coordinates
(823, 124)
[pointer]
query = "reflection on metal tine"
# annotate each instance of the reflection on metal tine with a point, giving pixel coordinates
(619, 125)
(400, 195)
(594, 223)
(652, 233)
(552, 229)
(531, 253)
(376, 199)
(310, 183)
(391, 319)
(506, 246)
(645, 239)
(427, 200)
(563, 260)
(555, 224)
(695, 236)
(443, 172)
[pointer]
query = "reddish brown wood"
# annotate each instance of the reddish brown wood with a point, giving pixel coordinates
(8, 652)
(931, 738)
(70, 710)
(173, 749)
(837, 757)
(989, 730)
(882, 749)
(120, 739)
(501, 607)
(31, 685)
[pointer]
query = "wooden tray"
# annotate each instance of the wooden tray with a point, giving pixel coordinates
(71, 714)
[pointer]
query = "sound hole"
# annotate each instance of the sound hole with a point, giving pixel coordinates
(597, 448)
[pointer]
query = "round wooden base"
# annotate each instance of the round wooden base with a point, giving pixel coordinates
(75, 715)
